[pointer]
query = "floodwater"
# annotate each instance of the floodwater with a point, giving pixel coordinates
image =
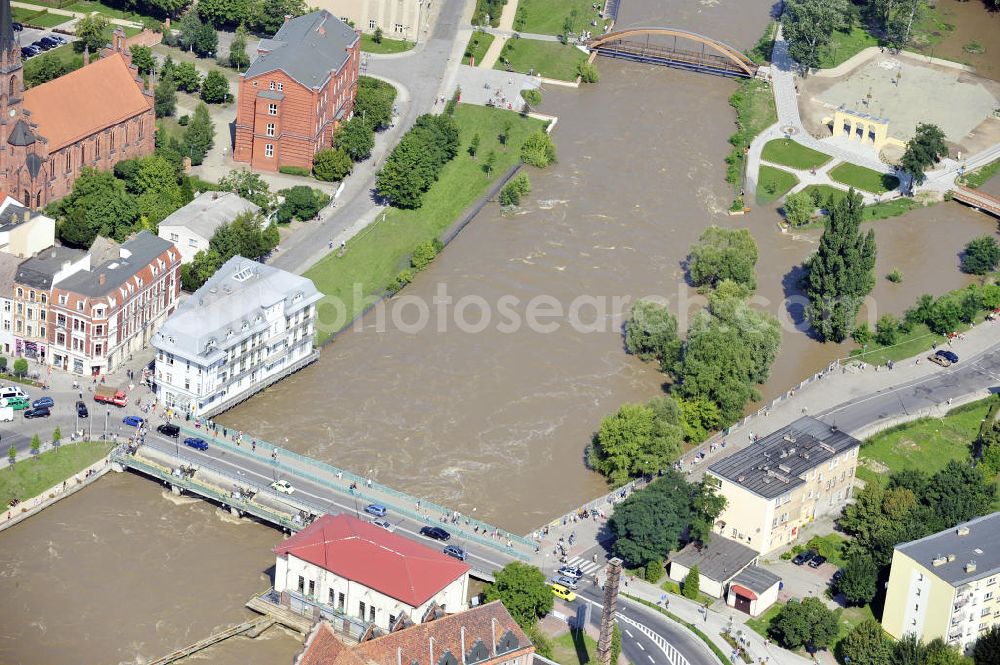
(123, 572)
(492, 423)
(973, 23)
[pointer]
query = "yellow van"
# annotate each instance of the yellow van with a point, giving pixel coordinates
(562, 592)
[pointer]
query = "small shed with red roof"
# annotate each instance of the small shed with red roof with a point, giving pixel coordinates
(363, 571)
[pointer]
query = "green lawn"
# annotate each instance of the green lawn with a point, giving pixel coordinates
(859, 177)
(88, 6)
(550, 59)
(789, 153)
(873, 212)
(849, 618)
(30, 477)
(547, 17)
(927, 444)
(574, 648)
(377, 255)
(978, 178)
(831, 546)
(762, 623)
(844, 45)
(773, 183)
(65, 53)
(673, 587)
(754, 105)
(43, 20)
(478, 44)
(368, 45)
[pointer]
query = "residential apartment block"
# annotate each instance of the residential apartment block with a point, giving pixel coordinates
(248, 326)
(33, 283)
(101, 315)
(296, 92)
(781, 482)
(23, 232)
(191, 228)
(946, 585)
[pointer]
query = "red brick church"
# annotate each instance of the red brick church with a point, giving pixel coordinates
(95, 116)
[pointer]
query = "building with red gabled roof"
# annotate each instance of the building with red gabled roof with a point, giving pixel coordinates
(361, 570)
(484, 635)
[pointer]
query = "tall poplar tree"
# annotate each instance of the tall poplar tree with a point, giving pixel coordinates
(842, 272)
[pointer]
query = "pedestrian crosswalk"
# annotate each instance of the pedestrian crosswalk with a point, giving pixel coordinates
(586, 565)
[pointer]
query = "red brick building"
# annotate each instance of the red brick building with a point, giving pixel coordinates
(98, 316)
(296, 92)
(94, 116)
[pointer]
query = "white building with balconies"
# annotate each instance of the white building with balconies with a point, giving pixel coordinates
(247, 327)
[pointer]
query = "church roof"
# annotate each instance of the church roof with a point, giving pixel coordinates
(34, 164)
(95, 97)
(21, 134)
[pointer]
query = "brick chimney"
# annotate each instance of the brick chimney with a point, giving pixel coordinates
(27, 215)
(102, 279)
(288, 17)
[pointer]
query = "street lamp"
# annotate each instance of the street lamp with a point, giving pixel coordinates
(107, 414)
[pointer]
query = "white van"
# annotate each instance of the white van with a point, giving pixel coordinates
(12, 391)
(6, 414)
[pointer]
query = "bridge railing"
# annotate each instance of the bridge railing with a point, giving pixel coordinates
(332, 478)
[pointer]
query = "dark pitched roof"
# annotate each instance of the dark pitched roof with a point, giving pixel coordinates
(21, 135)
(307, 48)
(34, 164)
(12, 215)
(976, 542)
(136, 254)
(7, 39)
(720, 559)
(39, 271)
(774, 465)
(756, 579)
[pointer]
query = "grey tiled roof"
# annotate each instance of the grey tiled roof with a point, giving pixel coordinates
(718, 560)
(12, 215)
(208, 212)
(39, 271)
(230, 306)
(756, 579)
(980, 545)
(773, 465)
(307, 48)
(140, 251)
(21, 135)
(8, 268)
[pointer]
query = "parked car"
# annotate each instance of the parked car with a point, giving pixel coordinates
(571, 571)
(804, 557)
(47, 402)
(29, 51)
(435, 532)
(169, 429)
(455, 551)
(81, 410)
(950, 356)
(384, 523)
(568, 582)
(18, 403)
(18, 27)
(197, 444)
(817, 561)
(282, 486)
(376, 509)
(50, 41)
(133, 421)
(40, 46)
(837, 576)
(559, 591)
(40, 412)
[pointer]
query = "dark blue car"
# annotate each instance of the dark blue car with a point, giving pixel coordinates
(950, 356)
(197, 444)
(376, 509)
(132, 421)
(47, 402)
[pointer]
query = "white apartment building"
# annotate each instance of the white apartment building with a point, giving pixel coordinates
(248, 326)
(191, 228)
(8, 268)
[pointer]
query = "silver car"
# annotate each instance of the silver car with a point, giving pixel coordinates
(568, 582)
(384, 523)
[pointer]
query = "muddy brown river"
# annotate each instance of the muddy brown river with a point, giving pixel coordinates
(492, 423)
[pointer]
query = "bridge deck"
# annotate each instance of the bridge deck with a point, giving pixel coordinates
(257, 625)
(977, 199)
(672, 57)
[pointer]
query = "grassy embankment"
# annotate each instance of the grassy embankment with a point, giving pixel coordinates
(864, 179)
(789, 153)
(377, 255)
(478, 44)
(574, 648)
(547, 17)
(773, 183)
(387, 45)
(755, 112)
(30, 477)
(849, 618)
(549, 59)
(976, 179)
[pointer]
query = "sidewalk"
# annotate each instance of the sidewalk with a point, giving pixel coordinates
(502, 33)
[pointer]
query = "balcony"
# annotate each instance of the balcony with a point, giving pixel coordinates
(961, 602)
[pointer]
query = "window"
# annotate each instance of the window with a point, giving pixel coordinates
(44, 298)
(141, 128)
(79, 305)
(31, 296)
(302, 580)
(270, 85)
(331, 597)
(371, 614)
(192, 242)
(392, 620)
(272, 109)
(174, 237)
(98, 349)
(269, 150)
(281, 86)
(399, 27)
(361, 609)
(987, 595)
(97, 147)
(312, 588)
(372, 24)
(111, 140)
(340, 602)
(270, 129)
(69, 163)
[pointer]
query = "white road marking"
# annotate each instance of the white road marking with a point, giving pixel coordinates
(628, 632)
(650, 658)
(639, 644)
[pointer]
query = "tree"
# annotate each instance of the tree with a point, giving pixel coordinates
(238, 58)
(986, 651)
(188, 27)
(490, 162)
(859, 582)
(154, 180)
(373, 102)
(958, 492)
(474, 146)
(939, 653)
(206, 41)
(692, 582)
(538, 149)
(98, 205)
(186, 76)
(199, 136)
(799, 208)
(524, 592)
(639, 439)
(842, 272)
(230, 13)
(808, 25)
(36, 444)
(301, 203)
(246, 235)
(699, 416)
(271, 14)
(887, 330)
(504, 135)
(981, 256)
(909, 650)
(867, 644)
(92, 33)
(651, 521)
(651, 334)
(925, 149)
(44, 69)
(56, 437)
(356, 138)
(11, 453)
(377, 36)
(20, 367)
(215, 88)
(332, 165)
(807, 622)
(250, 186)
(165, 98)
(142, 58)
(415, 163)
(616, 642)
(512, 192)
(722, 253)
